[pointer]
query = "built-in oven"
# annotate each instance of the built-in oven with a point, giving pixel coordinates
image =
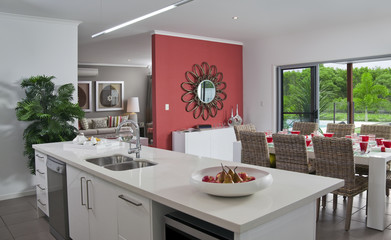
(178, 225)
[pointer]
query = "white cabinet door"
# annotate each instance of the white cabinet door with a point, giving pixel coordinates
(213, 143)
(77, 204)
(91, 206)
(102, 213)
(198, 143)
(134, 216)
(222, 143)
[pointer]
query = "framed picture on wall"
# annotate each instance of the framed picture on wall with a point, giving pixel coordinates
(109, 95)
(84, 95)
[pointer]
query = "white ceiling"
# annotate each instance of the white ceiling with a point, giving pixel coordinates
(211, 18)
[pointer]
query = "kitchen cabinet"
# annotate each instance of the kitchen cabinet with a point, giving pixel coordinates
(214, 143)
(134, 216)
(41, 183)
(91, 206)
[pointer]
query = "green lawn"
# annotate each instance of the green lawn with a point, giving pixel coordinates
(372, 117)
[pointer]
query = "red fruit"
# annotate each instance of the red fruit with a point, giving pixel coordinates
(205, 179)
(243, 175)
(249, 179)
(208, 179)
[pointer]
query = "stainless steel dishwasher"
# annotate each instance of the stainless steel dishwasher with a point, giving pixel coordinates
(58, 201)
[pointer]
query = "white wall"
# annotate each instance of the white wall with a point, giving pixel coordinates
(29, 46)
(262, 56)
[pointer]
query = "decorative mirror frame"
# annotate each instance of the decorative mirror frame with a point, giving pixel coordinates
(198, 74)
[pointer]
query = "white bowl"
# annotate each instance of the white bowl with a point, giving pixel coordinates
(262, 180)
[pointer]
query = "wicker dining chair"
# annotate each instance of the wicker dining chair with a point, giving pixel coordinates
(380, 131)
(334, 158)
(245, 127)
(254, 148)
(305, 128)
(291, 153)
(339, 129)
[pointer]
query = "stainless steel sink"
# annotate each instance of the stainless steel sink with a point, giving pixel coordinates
(130, 165)
(120, 162)
(108, 160)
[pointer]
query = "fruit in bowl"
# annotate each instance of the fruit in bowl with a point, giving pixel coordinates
(254, 178)
(228, 177)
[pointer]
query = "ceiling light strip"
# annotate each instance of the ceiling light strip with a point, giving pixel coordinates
(142, 18)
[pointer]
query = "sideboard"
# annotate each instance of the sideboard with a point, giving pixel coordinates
(214, 143)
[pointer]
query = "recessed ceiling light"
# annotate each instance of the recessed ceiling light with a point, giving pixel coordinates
(142, 17)
(235, 18)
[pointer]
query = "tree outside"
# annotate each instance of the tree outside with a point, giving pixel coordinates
(368, 95)
(371, 87)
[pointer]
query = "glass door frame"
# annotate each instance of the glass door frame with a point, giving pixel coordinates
(314, 114)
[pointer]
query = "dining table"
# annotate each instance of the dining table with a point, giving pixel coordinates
(377, 162)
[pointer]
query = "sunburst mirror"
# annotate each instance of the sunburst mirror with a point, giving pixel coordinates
(204, 91)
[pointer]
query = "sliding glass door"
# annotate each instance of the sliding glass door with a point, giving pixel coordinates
(298, 95)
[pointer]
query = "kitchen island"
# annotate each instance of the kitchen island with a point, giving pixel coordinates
(286, 209)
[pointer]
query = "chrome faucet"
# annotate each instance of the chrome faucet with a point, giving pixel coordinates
(137, 149)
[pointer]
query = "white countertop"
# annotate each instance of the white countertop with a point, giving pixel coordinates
(168, 183)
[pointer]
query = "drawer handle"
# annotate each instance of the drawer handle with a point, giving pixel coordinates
(88, 195)
(43, 204)
(37, 155)
(81, 190)
(38, 185)
(39, 171)
(130, 200)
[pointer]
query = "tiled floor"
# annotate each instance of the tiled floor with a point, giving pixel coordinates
(331, 224)
(18, 220)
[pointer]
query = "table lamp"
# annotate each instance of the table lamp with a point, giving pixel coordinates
(133, 108)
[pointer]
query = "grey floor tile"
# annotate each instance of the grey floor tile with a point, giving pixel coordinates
(20, 217)
(388, 220)
(32, 200)
(360, 216)
(37, 236)
(327, 219)
(30, 227)
(16, 201)
(340, 211)
(15, 208)
(358, 230)
(1, 223)
(5, 234)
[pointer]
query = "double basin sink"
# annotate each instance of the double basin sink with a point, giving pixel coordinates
(120, 162)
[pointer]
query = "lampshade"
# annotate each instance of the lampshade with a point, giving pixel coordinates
(133, 105)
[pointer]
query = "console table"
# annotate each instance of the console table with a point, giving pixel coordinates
(213, 142)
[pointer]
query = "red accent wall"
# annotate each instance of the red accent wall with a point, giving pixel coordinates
(171, 58)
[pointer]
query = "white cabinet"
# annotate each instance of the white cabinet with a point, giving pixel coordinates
(214, 143)
(134, 216)
(41, 180)
(91, 206)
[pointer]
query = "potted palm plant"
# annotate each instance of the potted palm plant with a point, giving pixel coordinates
(50, 112)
